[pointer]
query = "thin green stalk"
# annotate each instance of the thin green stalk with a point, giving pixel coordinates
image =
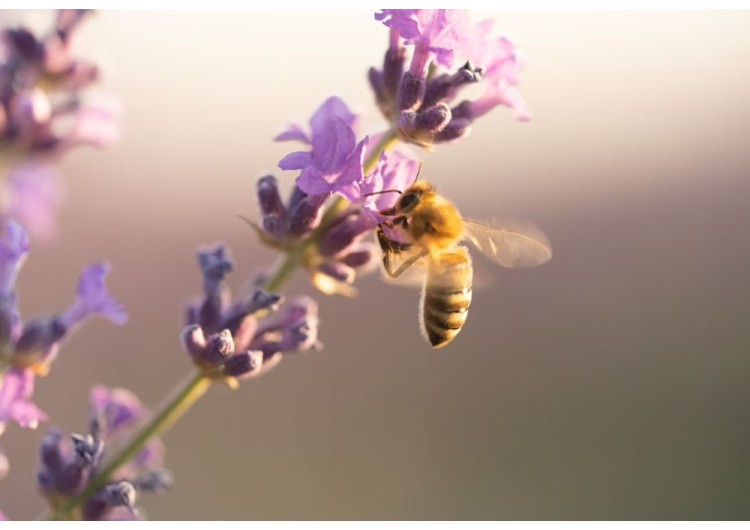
(172, 411)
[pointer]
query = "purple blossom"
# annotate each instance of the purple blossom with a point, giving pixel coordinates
(33, 196)
(30, 347)
(93, 299)
(70, 462)
(502, 68)
(334, 165)
(433, 32)
(116, 408)
(14, 246)
(44, 113)
(234, 341)
(16, 389)
(340, 252)
(117, 411)
(419, 105)
(396, 170)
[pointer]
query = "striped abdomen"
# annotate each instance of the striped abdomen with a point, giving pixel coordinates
(446, 296)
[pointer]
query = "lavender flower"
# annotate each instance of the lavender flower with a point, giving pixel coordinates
(44, 114)
(29, 348)
(69, 463)
(16, 390)
(340, 252)
(230, 341)
(418, 105)
(334, 165)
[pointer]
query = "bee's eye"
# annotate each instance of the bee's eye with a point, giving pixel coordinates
(408, 201)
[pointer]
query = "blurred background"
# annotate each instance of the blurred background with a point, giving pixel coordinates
(610, 383)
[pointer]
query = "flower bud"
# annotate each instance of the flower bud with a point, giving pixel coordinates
(219, 347)
(120, 494)
(271, 206)
(359, 258)
(39, 335)
(88, 449)
(393, 68)
(457, 128)
(306, 214)
(53, 451)
(244, 363)
(156, 480)
(344, 231)
(338, 271)
(194, 341)
(444, 87)
(411, 92)
(25, 44)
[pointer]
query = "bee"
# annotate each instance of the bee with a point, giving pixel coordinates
(425, 227)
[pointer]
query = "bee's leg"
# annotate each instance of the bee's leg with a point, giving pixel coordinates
(386, 245)
(401, 220)
(408, 263)
(391, 249)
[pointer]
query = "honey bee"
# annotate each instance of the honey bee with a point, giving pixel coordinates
(425, 227)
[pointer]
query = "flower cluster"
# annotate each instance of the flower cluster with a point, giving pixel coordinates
(230, 341)
(44, 114)
(70, 462)
(417, 100)
(28, 348)
(335, 164)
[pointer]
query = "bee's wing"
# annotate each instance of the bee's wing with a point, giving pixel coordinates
(509, 248)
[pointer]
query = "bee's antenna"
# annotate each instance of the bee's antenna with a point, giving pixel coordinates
(419, 172)
(384, 191)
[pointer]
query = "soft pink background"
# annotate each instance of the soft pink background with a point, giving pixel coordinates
(610, 383)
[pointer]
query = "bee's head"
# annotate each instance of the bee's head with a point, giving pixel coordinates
(413, 195)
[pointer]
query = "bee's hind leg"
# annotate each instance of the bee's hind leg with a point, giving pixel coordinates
(408, 263)
(391, 249)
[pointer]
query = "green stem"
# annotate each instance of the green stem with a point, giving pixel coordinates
(170, 413)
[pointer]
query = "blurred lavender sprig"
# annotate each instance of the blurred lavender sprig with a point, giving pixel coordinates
(68, 463)
(44, 114)
(29, 347)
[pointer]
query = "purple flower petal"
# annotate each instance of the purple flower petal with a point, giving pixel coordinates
(96, 126)
(293, 133)
(396, 170)
(117, 407)
(14, 245)
(152, 455)
(335, 162)
(332, 108)
(296, 160)
(34, 198)
(93, 299)
(438, 31)
(502, 68)
(312, 182)
(16, 390)
(332, 145)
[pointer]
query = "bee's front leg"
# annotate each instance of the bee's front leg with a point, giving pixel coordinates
(386, 245)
